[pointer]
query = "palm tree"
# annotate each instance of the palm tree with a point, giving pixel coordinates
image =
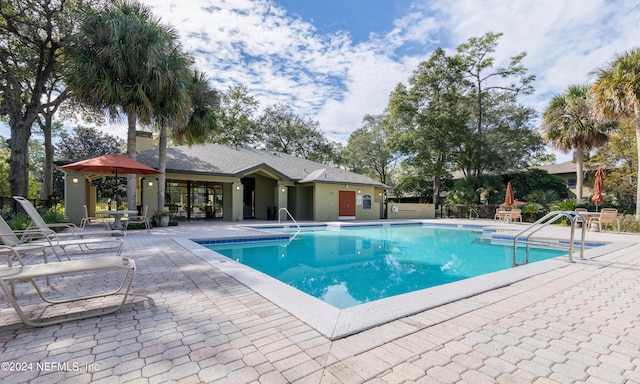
(172, 109)
(119, 65)
(202, 119)
(567, 125)
(617, 91)
(189, 110)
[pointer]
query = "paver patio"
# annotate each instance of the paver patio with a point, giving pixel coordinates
(189, 322)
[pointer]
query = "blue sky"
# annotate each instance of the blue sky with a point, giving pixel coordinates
(360, 18)
(336, 61)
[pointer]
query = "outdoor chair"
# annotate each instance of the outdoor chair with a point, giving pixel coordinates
(141, 219)
(607, 216)
(500, 215)
(28, 273)
(37, 222)
(49, 239)
(91, 220)
(515, 215)
(577, 219)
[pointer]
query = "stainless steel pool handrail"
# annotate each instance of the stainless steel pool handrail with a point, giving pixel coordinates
(473, 211)
(288, 214)
(294, 221)
(547, 219)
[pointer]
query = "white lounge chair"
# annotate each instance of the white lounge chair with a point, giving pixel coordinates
(29, 273)
(38, 222)
(20, 250)
(49, 239)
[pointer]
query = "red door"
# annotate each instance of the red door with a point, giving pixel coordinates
(347, 203)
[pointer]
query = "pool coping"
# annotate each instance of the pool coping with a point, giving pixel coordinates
(335, 323)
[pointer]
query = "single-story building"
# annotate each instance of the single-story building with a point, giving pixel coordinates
(218, 182)
(567, 171)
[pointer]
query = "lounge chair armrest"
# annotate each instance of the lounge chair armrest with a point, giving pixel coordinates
(27, 235)
(33, 233)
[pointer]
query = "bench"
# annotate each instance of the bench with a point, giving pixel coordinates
(29, 273)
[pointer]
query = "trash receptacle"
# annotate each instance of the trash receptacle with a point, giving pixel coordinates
(271, 213)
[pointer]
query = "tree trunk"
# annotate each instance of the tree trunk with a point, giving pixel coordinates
(579, 157)
(19, 159)
(636, 110)
(162, 166)
(131, 152)
(478, 159)
(47, 182)
(436, 190)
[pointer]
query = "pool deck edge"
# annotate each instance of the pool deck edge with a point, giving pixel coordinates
(336, 323)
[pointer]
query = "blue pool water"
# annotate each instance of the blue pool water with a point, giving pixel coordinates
(351, 266)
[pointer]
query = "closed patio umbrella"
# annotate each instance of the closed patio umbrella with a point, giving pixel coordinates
(508, 197)
(598, 185)
(111, 164)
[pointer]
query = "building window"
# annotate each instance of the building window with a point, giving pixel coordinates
(194, 199)
(366, 202)
(571, 183)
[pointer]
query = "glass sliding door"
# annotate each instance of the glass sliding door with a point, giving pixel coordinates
(194, 200)
(206, 200)
(176, 198)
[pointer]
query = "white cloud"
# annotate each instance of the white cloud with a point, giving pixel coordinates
(564, 40)
(327, 77)
(283, 59)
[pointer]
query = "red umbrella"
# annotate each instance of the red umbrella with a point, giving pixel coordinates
(597, 197)
(508, 198)
(111, 164)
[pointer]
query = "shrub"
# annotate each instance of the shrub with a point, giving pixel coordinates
(53, 216)
(628, 223)
(19, 222)
(525, 183)
(564, 205)
(532, 211)
(542, 197)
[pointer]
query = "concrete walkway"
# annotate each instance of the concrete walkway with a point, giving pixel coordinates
(188, 322)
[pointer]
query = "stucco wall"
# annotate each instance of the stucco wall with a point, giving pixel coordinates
(76, 196)
(299, 202)
(410, 211)
(264, 196)
(149, 194)
(326, 201)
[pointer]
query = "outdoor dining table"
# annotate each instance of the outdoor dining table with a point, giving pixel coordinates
(117, 216)
(504, 216)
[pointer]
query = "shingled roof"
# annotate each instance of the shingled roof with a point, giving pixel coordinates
(222, 160)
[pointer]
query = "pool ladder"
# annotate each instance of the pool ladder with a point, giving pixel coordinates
(551, 217)
(292, 219)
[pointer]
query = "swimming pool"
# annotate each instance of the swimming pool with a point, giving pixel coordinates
(351, 266)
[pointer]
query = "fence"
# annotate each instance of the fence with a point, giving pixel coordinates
(8, 204)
